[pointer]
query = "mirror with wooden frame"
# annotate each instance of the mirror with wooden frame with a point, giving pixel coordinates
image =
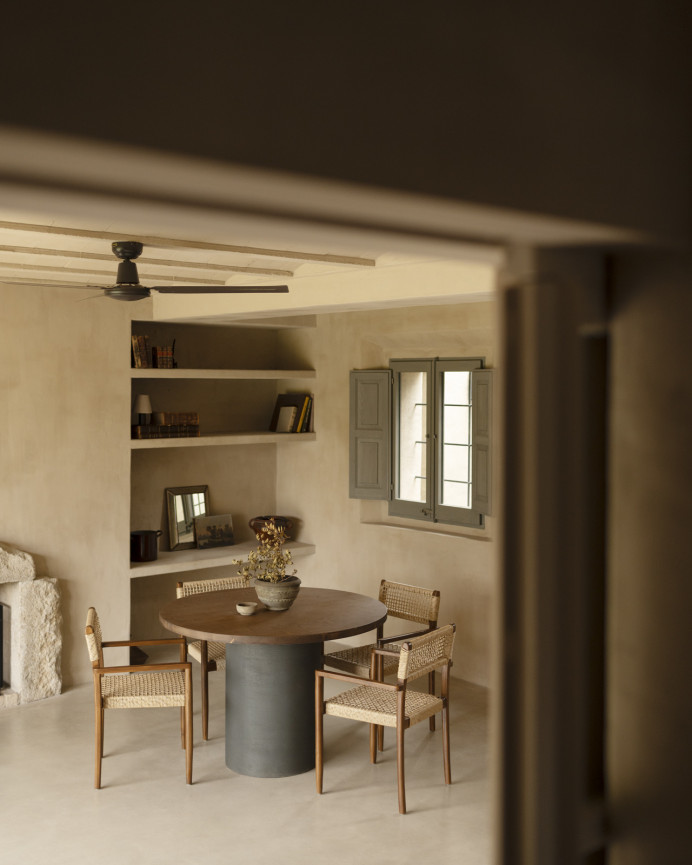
(183, 505)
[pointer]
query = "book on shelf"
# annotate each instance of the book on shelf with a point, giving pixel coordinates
(165, 431)
(286, 419)
(175, 417)
(148, 356)
(299, 419)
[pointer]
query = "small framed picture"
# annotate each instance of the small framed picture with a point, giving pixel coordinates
(214, 531)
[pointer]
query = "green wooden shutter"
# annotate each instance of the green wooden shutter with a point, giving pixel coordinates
(482, 397)
(370, 434)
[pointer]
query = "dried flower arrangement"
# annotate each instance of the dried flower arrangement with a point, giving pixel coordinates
(269, 561)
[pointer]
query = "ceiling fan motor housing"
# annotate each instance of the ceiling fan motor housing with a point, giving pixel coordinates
(127, 273)
(127, 249)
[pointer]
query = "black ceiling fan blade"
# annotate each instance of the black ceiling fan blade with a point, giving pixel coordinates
(220, 289)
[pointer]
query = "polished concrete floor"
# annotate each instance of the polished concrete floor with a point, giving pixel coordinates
(50, 813)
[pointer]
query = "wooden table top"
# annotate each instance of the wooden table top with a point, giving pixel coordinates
(316, 615)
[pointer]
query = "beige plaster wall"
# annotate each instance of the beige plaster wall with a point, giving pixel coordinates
(64, 454)
(357, 544)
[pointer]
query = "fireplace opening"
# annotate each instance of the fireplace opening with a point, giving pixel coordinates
(5, 643)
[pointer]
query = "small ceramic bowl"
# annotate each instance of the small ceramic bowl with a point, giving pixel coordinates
(246, 608)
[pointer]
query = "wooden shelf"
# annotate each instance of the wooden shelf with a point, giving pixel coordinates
(244, 438)
(197, 560)
(228, 374)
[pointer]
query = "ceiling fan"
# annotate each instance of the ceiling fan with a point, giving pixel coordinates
(128, 287)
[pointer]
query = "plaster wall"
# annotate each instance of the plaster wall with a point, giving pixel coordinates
(357, 544)
(64, 454)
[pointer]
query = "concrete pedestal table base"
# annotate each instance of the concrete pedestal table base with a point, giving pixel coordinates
(270, 708)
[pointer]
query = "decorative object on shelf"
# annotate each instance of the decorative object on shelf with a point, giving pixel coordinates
(144, 546)
(143, 409)
(258, 525)
(267, 565)
(214, 531)
(284, 419)
(246, 608)
(183, 505)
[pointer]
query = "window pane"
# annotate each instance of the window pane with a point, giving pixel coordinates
(456, 424)
(413, 444)
(456, 495)
(455, 454)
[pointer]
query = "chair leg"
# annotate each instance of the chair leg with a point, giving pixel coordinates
(380, 738)
(188, 726)
(319, 743)
(445, 743)
(374, 734)
(431, 691)
(400, 768)
(98, 730)
(205, 689)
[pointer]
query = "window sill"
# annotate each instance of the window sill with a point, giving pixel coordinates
(375, 514)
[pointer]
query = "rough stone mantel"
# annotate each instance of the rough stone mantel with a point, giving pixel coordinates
(36, 637)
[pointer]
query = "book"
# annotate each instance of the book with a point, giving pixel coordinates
(286, 419)
(162, 356)
(165, 431)
(175, 417)
(296, 400)
(305, 423)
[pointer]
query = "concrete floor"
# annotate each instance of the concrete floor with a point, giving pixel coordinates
(50, 813)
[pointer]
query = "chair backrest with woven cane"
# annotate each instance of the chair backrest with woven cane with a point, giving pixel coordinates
(411, 603)
(197, 587)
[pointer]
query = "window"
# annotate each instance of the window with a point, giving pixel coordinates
(420, 438)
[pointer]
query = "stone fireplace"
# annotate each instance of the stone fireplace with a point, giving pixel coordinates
(32, 639)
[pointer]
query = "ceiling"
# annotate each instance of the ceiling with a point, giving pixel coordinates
(45, 249)
(337, 246)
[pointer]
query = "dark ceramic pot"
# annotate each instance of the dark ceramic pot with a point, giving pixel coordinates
(257, 524)
(144, 545)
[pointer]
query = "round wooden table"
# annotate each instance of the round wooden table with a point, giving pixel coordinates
(271, 659)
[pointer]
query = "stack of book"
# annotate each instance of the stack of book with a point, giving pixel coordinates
(147, 356)
(169, 425)
(292, 413)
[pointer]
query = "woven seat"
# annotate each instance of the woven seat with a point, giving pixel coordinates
(410, 603)
(144, 686)
(211, 655)
(380, 704)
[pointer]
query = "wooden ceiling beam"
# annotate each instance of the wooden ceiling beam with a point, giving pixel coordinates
(108, 274)
(175, 243)
(100, 256)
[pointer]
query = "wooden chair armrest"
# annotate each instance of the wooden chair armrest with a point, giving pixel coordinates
(175, 641)
(390, 653)
(356, 680)
(143, 668)
(395, 639)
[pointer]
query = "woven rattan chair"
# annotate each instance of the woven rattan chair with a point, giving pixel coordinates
(410, 603)
(392, 705)
(211, 655)
(139, 687)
